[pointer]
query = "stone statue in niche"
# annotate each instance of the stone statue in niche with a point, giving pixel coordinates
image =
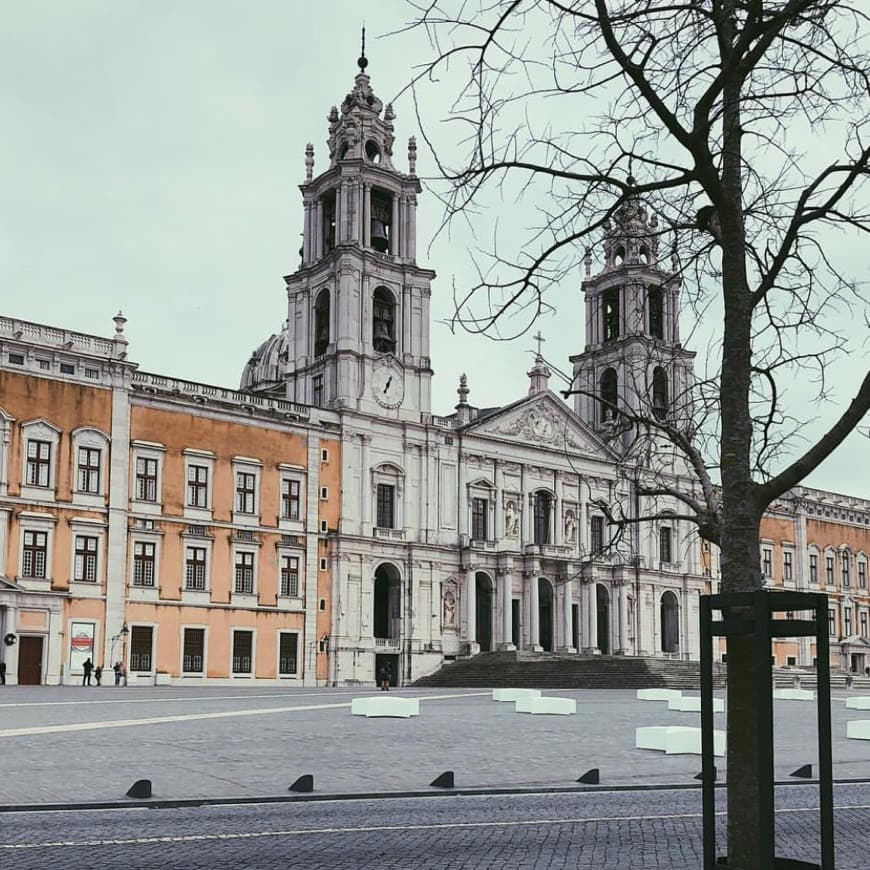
(570, 527)
(511, 520)
(448, 612)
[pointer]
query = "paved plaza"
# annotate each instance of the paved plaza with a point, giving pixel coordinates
(80, 745)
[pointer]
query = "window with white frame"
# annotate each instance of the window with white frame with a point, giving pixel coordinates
(39, 459)
(863, 618)
(767, 562)
(479, 516)
(244, 562)
(197, 485)
(141, 648)
(847, 621)
(195, 569)
(832, 622)
(787, 566)
(243, 652)
(596, 528)
(862, 573)
(846, 569)
(291, 488)
(144, 563)
(85, 558)
(199, 477)
(34, 554)
(288, 654)
(387, 486)
(829, 569)
(193, 651)
(88, 468)
(814, 568)
(38, 463)
(386, 506)
(289, 576)
(666, 553)
(146, 479)
(246, 490)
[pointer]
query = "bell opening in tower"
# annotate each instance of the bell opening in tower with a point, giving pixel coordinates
(328, 229)
(656, 312)
(610, 313)
(321, 323)
(383, 321)
(381, 220)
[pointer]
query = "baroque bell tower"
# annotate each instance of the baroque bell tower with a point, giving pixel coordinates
(358, 305)
(633, 359)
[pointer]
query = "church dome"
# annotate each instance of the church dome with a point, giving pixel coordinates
(267, 365)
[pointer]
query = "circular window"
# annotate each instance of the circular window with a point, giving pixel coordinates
(373, 152)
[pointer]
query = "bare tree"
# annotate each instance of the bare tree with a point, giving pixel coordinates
(744, 125)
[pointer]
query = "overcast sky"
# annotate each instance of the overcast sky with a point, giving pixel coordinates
(150, 157)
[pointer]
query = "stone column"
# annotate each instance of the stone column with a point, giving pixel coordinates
(534, 614)
(471, 611)
(306, 233)
(589, 642)
(367, 216)
(506, 580)
(318, 230)
(622, 618)
(396, 231)
(412, 227)
(365, 486)
(567, 622)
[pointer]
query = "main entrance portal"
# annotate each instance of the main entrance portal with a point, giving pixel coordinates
(29, 661)
(483, 610)
(545, 614)
(602, 600)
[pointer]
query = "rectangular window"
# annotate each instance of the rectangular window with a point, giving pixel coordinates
(288, 653)
(245, 486)
(67, 369)
(814, 568)
(143, 563)
(386, 504)
(85, 563)
(767, 562)
(829, 570)
(665, 551)
(862, 575)
(141, 637)
(478, 519)
(88, 477)
(845, 572)
(863, 618)
(35, 554)
(847, 621)
(832, 623)
(597, 542)
(243, 652)
(290, 499)
(146, 479)
(786, 565)
(16, 359)
(38, 463)
(194, 650)
(194, 569)
(197, 486)
(290, 576)
(317, 391)
(244, 573)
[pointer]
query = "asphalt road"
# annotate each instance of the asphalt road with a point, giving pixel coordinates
(626, 829)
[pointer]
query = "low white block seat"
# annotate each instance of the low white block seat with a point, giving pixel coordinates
(514, 694)
(859, 702)
(552, 706)
(385, 705)
(794, 694)
(658, 694)
(676, 739)
(858, 729)
(692, 704)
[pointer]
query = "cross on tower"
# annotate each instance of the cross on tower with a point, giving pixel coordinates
(540, 339)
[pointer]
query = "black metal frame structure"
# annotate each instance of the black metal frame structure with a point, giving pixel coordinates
(752, 613)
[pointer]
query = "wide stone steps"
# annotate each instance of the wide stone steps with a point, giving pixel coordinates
(548, 671)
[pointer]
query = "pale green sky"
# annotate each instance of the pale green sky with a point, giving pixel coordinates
(151, 154)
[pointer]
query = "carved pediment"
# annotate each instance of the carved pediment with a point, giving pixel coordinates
(544, 421)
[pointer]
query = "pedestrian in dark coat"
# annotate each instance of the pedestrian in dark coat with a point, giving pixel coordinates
(383, 679)
(87, 668)
(2, 673)
(98, 674)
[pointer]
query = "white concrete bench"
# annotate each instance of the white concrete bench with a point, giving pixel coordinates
(514, 694)
(692, 704)
(859, 702)
(658, 694)
(554, 706)
(385, 705)
(858, 729)
(793, 695)
(676, 740)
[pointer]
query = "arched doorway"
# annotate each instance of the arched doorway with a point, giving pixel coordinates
(386, 619)
(483, 611)
(670, 609)
(602, 603)
(545, 614)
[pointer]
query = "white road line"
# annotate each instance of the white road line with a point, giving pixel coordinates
(188, 717)
(367, 829)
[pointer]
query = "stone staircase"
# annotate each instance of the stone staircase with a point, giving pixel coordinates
(783, 678)
(550, 671)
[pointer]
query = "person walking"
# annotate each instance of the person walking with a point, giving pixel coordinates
(98, 674)
(87, 668)
(117, 669)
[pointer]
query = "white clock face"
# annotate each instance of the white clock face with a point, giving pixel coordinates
(388, 386)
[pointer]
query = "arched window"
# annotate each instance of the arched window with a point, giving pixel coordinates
(542, 517)
(660, 393)
(610, 313)
(321, 323)
(328, 228)
(608, 395)
(381, 229)
(383, 321)
(655, 310)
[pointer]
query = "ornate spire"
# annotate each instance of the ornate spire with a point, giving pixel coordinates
(539, 376)
(362, 61)
(631, 237)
